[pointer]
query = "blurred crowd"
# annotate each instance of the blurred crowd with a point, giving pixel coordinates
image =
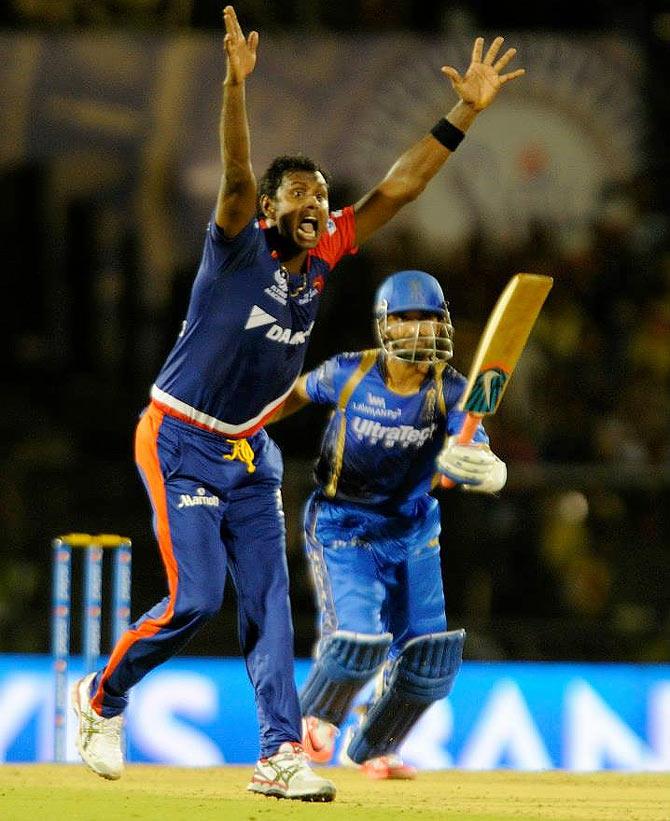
(347, 15)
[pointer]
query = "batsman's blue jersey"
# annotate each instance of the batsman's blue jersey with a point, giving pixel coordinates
(372, 528)
(390, 440)
(243, 342)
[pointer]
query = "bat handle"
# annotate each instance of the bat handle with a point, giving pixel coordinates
(472, 420)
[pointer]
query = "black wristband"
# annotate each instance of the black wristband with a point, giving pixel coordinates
(447, 134)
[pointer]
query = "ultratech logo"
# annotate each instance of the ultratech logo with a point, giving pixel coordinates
(403, 435)
(199, 499)
(258, 317)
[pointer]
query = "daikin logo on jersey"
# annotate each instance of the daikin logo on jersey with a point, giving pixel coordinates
(402, 435)
(289, 336)
(277, 333)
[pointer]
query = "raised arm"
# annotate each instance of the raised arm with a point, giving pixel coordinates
(236, 202)
(412, 171)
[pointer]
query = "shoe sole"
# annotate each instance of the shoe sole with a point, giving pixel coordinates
(75, 697)
(322, 795)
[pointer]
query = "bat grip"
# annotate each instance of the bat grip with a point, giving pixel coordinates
(465, 436)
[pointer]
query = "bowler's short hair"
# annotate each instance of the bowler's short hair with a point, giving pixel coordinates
(271, 180)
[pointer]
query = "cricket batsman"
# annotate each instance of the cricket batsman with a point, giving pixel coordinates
(372, 525)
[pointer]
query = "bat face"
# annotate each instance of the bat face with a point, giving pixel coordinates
(503, 341)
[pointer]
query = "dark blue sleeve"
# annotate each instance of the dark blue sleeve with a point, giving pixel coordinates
(223, 254)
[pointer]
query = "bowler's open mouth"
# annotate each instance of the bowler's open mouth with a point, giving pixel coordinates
(308, 228)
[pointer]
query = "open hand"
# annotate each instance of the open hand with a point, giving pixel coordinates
(241, 52)
(480, 84)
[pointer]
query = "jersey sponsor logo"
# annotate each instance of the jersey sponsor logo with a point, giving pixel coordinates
(277, 333)
(376, 410)
(389, 436)
(279, 289)
(258, 317)
(200, 498)
(288, 336)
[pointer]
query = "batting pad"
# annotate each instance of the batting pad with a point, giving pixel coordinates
(346, 662)
(424, 672)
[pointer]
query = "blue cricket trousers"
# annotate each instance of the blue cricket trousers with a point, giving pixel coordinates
(214, 510)
(376, 572)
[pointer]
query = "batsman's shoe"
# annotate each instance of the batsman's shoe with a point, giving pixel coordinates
(388, 767)
(287, 774)
(318, 739)
(98, 738)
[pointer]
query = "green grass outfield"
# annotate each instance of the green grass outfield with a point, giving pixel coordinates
(51, 793)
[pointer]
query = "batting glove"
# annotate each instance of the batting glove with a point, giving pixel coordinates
(474, 466)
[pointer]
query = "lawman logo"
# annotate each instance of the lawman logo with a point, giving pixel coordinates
(200, 498)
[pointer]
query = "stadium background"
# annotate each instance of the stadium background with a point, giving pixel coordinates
(108, 166)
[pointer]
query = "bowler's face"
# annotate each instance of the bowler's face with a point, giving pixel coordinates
(300, 208)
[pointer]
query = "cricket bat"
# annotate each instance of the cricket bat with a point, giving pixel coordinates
(502, 343)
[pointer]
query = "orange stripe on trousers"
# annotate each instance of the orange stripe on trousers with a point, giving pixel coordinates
(146, 456)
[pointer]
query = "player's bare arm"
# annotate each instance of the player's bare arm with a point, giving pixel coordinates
(295, 401)
(236, 202)
(410, 174)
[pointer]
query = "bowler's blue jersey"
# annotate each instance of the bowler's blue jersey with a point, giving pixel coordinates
(243, 342)
(391, 439)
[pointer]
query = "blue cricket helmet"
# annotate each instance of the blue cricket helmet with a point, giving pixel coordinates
(407, 291)
(410, 291)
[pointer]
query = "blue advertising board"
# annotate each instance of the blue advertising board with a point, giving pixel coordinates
(527, 716)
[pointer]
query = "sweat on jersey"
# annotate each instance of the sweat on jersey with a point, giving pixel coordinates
(391, 439)
(244, 339)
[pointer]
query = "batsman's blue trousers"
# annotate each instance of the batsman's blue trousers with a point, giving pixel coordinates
(215, 511)
(376, 572)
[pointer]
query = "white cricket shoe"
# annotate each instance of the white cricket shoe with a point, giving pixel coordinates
(318, 739)
(287, 774)
(98, 738)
